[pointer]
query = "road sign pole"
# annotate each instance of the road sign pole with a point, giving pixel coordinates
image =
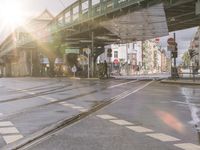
(88, 65)
(92, 55)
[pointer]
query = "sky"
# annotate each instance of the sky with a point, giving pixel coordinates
(33, 8)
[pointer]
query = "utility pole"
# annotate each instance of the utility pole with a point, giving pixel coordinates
(142, 54)
(199, 44)
(127, 59)
(92, 55)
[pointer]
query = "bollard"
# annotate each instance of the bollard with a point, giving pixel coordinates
(198, 132)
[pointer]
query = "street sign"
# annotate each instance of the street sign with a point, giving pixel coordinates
(116, 61)
(87, 50)
(171, 41)
(72, 50)
(74, 69)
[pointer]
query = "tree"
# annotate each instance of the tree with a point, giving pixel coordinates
(186, 59)
(53, 49)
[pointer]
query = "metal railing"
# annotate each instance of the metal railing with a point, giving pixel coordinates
(191, 73)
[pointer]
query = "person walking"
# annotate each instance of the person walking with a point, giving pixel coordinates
(105, 69)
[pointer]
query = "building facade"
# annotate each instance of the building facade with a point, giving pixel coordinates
(144, 57)
(195, 45)
(17, 60)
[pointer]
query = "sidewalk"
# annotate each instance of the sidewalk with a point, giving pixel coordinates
(181, 81)
(144, 77)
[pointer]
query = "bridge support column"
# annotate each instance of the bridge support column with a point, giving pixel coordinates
(35, 63)
(8, 69)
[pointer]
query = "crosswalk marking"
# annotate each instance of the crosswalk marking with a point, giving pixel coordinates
(53, 100)
(61, 103)
(5, 123)
(82, 109)
(121, 122)
(106, 117)
(188, 146)
(77, 107)
(69, 105)
(8, 130)
(139, 129)
(11, 138)
(163, 137)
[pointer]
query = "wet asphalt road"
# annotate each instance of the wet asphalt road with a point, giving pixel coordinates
(145, 114)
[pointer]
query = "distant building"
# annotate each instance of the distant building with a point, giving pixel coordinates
(195, 45)
(146, 55)
(17, 60)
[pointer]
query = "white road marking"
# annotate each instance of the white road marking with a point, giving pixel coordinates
(108, 117)
(61, 103)
(124, 96)
(121, 122)
(163, 137)
(31, 93)
(11, 138)
(110, 87)
(17, 89)
(8, 130)
(83, 110)
(139, 129)
(5, 123)
(193, 109)
(185, 103)
(69, 105)
(53, 100)
(188, 146)
(77, 107)
(23, 90)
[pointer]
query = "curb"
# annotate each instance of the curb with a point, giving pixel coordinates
(140, 78)
(77, 78)
(179, 82)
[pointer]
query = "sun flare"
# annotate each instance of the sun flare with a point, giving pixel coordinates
(11, 13)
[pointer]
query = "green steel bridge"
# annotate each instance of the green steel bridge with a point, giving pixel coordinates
(79, 20)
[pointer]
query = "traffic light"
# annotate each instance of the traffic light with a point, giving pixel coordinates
(109, 52)
(175, 52)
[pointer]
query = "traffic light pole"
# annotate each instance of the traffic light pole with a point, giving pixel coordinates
(92, 55)
(174, 57)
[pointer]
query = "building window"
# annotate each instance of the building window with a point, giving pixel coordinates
(115, 54)
(85, 7)
(67, 17)
(133, 46)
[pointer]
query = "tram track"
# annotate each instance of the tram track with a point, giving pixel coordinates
(25, 110)
(52, 91)
(67, 122)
